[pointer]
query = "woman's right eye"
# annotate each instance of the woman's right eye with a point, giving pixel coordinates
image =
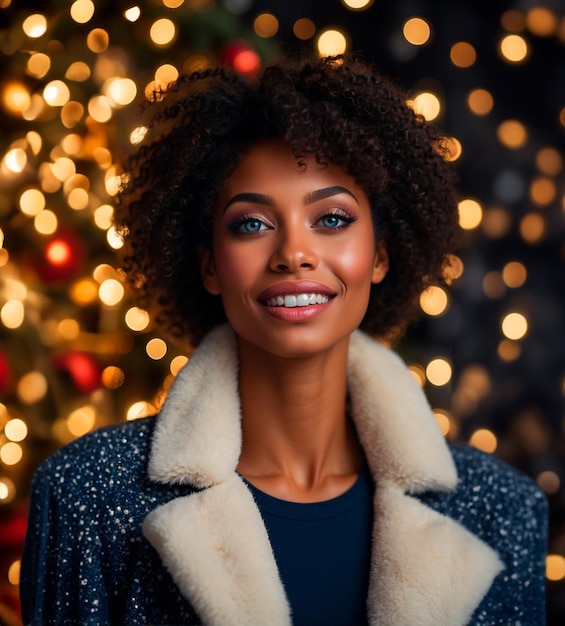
(247, 225)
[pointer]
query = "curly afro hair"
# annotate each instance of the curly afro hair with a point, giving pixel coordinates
(338, 109)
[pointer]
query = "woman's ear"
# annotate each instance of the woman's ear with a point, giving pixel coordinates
(208, 271)
(380, 264)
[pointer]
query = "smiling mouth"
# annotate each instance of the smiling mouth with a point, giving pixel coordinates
(297, 300)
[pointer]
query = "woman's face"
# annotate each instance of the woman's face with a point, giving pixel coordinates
(294, 254)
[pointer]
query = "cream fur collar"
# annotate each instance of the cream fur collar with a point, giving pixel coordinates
(426, 569)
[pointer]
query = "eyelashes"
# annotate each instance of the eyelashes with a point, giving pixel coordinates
(247, 225)
(336, 219)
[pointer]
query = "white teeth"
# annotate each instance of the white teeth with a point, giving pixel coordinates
(300, 299)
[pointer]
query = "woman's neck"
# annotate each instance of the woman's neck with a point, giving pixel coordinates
(297, 441)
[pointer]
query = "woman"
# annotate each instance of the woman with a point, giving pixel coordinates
(295, 473)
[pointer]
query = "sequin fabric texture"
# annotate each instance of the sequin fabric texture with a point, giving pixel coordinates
(86, 561)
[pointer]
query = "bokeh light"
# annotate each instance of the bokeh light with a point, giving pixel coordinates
(357, 5)
(484, 439)
(162, 32)
(304, 28)
(470, 213)
(512, 133)
(514, 48)
(434, 301)
(514, 326)
(266, 25)
(427, 104)
(82, 11)
(463, 54)
(480, 101)
(555, 567)
(439, 371)
(416, 31)
(35, 25)
(331, 42)
(156, 348)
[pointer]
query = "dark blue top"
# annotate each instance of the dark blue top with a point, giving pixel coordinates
(323, 552)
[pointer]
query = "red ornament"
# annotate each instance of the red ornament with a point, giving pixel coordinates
(5, 375)
(63, 257)
(241, 57)
(13, 526)
(83, 369)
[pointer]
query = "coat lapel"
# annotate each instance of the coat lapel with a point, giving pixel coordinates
(426, 568)
(215, 546)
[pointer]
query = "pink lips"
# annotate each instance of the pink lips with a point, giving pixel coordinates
(298, 313)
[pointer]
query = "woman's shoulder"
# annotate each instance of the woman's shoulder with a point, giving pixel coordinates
(491, 496)
(103, 450)
(482, 473)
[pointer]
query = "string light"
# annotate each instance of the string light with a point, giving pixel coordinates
(470, 213)
(56, 93)
(177, 364)
(463, 54)
(357, 5)
(304, 28)
(428, 105)
(35, 25)
(82, 11)
(137, 319)
(514, 48)
(81, 420)
(98, 40)
(541, 21)
(266, 25)
(132, 14)
(555, 567)
(439, 372)
(331, 42)
(514, 274)
(512, 134)
(484, 440)
(156, 348)
(514, 326)
(111, 292)
(162, 32)
(16, 98)
(12, 314)
(434, 301)
(416, 31)
(418, 372)
(139, 409)
(113, 377)
(480, 101)
(444, 421)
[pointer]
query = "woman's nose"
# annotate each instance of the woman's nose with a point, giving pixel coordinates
(294, 251)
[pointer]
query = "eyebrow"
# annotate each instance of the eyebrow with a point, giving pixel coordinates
(327, 192)
(253, 198)
(309, 198)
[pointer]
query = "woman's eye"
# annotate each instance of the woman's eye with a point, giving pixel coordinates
(335, 221)
(247, 225)
(252, 226)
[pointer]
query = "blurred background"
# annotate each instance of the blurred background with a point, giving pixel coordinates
(75, 352)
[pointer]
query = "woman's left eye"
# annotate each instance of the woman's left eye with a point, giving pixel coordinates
(335, 221)
(247, 225)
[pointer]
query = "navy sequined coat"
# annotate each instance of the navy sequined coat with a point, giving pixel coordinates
(148, 522)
